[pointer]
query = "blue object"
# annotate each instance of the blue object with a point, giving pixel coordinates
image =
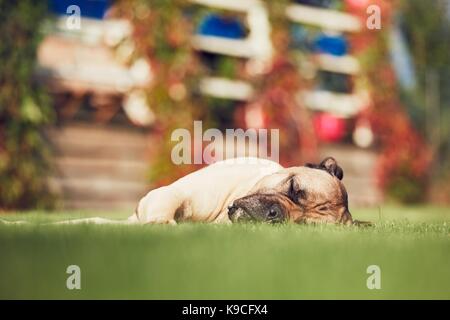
(316, 3)
(89, 8)
(219, 26)
(334, 45)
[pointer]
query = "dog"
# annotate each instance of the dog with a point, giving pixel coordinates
(247, 189)
(251, 189)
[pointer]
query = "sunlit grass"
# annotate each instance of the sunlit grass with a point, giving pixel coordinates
(200, 261)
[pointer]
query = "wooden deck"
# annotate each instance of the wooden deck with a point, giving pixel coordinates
(100, 167)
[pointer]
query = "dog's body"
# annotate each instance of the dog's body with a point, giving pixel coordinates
(204, 195)
(250, 189)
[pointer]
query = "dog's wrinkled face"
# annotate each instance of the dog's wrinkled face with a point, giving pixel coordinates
(309, 194)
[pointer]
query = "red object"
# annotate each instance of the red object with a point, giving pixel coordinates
(329, 128)
(358, 3)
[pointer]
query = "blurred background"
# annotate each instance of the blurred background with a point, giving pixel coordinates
(91, 90)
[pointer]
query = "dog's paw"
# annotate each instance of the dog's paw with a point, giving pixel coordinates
(359, 223)
(161, 221)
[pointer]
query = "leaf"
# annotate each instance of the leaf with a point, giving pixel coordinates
(30, 111)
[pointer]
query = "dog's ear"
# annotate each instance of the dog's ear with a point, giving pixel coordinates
(312, 165)
(330, 164)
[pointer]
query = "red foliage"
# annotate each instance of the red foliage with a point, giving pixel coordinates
(404, 160)
(277, 98)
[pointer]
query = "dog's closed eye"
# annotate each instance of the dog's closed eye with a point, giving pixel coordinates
(295, 193)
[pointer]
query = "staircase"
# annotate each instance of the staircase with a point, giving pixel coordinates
(359, 173)
(99, 166)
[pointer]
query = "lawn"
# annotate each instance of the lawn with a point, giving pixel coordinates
(198, 261)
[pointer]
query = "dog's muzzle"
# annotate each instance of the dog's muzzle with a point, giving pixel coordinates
(236, 213)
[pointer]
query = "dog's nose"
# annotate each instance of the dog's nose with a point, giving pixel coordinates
(231, 209)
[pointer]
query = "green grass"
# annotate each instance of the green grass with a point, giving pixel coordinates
(200, 261)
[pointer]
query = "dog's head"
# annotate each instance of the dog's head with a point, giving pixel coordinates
(309, 194)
